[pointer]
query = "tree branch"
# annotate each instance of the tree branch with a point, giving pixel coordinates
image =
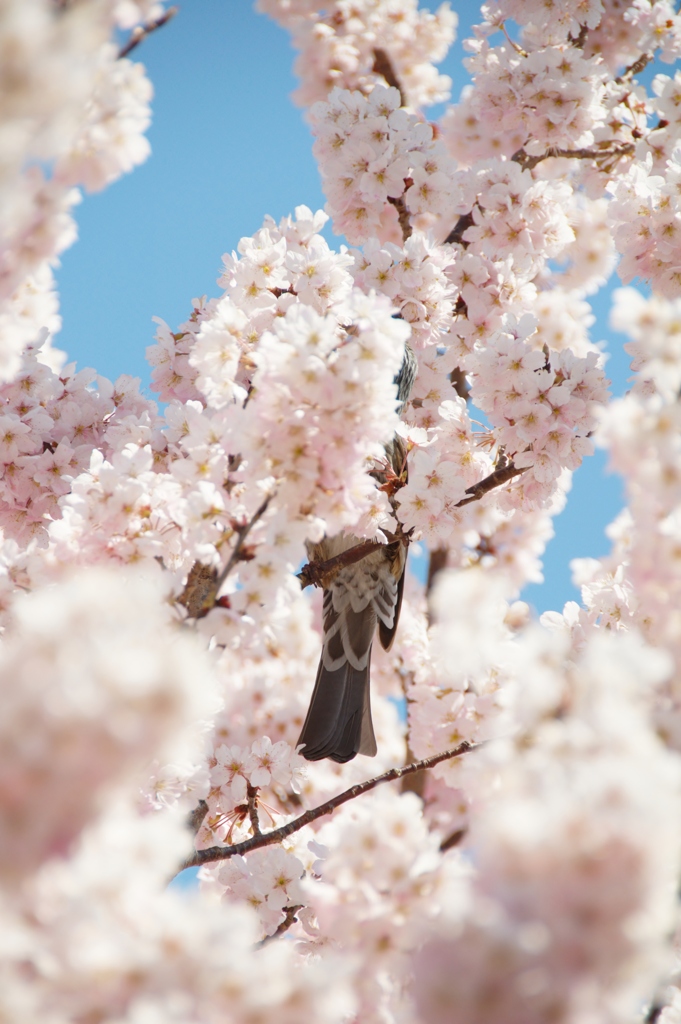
(217, 853)
(141, 32)
(452, 840)
(318, 574)
(455, 236)
(242, 532)
(383, 66)
(495, 479)
(252, 800)
(200, 590)
(289, 919)
(615, 151)
(402, 215)
(204, 582)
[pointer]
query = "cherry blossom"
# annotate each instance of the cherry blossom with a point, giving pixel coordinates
(159, 645)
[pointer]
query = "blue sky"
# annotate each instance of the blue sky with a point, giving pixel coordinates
(228, 147)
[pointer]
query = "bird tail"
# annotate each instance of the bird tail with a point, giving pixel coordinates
(338, 723)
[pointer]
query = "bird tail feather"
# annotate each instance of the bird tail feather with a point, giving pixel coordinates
(338, 723)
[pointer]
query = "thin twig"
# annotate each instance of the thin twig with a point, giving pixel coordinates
(242, 532)
(141, 32)
(495, 479)
(217, 853)
(289, 919)
(252, 800)
(383, 66)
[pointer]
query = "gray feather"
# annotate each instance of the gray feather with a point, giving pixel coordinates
(338, 723)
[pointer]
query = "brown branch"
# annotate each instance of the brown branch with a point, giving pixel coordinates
(242, 532)
(320, 574)
(203, 582)
(528, 162)
(461, 385)
(383, 66)
(217, 853)
(289, 919)
(402, 215)
(609, 152)
(495, 479)
(455, 236)
(141, 32)
(452, 840)
(580, 39)
(252, 800)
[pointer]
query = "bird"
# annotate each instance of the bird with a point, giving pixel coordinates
(359, 598)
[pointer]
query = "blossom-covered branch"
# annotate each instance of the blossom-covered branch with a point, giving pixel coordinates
(217, 853)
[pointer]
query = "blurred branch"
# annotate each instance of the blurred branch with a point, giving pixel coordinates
(217, 853)
(252, 798)
(455, 236)
(436, 563)
(452, 840)
(141, 32)
(383, 66)
(289, 919)
(402, 215)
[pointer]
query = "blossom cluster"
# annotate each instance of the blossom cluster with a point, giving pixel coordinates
(550, 96)
(236, 772)
(516, 217)
(373, 153)
(50, 426)
(543, 408)
(646, 224)
(414, 277)
(338, 46)
(94, 658)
